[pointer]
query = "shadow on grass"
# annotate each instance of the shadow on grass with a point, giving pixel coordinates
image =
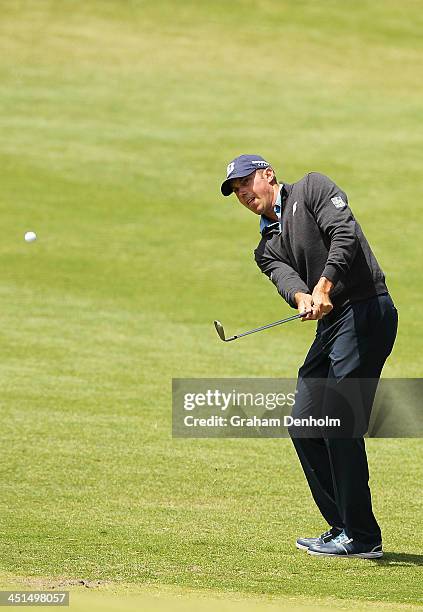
(393, 558)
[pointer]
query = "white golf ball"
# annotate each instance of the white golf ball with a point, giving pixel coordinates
(30, 236)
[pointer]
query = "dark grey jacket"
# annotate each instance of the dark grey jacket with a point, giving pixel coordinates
(319, 237)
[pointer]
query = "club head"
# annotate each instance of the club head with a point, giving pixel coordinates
(219, 328)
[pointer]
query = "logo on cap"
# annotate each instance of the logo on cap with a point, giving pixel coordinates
(230, 169)
(259, 162)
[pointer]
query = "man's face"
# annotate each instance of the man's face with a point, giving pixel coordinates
(256, 192)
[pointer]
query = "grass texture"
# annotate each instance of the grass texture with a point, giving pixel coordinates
(118, 120)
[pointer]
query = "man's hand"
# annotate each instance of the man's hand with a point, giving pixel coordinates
(322, 304)
(304, 304)
(318, 304)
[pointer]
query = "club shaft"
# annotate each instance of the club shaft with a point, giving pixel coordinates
(253, 331)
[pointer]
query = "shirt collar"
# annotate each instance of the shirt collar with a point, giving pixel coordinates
(265, 222)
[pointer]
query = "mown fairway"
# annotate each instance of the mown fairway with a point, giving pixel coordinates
(117, 121)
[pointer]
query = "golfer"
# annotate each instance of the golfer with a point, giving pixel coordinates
(315, 253)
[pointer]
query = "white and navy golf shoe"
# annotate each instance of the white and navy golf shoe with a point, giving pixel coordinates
(305, 543)
(343, 546)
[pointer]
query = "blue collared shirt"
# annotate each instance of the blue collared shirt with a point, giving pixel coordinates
(265, 222)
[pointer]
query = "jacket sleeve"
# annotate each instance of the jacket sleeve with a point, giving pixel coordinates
(329, 206)
(272, 260)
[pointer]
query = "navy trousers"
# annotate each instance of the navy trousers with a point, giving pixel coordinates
(350, 349)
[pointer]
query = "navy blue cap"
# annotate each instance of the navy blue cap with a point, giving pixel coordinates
(243, 165)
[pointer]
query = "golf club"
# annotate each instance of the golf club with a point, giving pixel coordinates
(219, 327)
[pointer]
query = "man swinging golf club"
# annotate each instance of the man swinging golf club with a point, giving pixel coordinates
(316, 254)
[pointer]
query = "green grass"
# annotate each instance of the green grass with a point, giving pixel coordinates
(118, 120)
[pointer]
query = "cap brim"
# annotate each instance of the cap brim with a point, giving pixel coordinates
(226, 187)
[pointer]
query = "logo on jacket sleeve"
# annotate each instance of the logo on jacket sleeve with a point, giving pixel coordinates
(338, 202)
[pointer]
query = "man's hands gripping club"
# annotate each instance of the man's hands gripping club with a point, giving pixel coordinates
(318, 303)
